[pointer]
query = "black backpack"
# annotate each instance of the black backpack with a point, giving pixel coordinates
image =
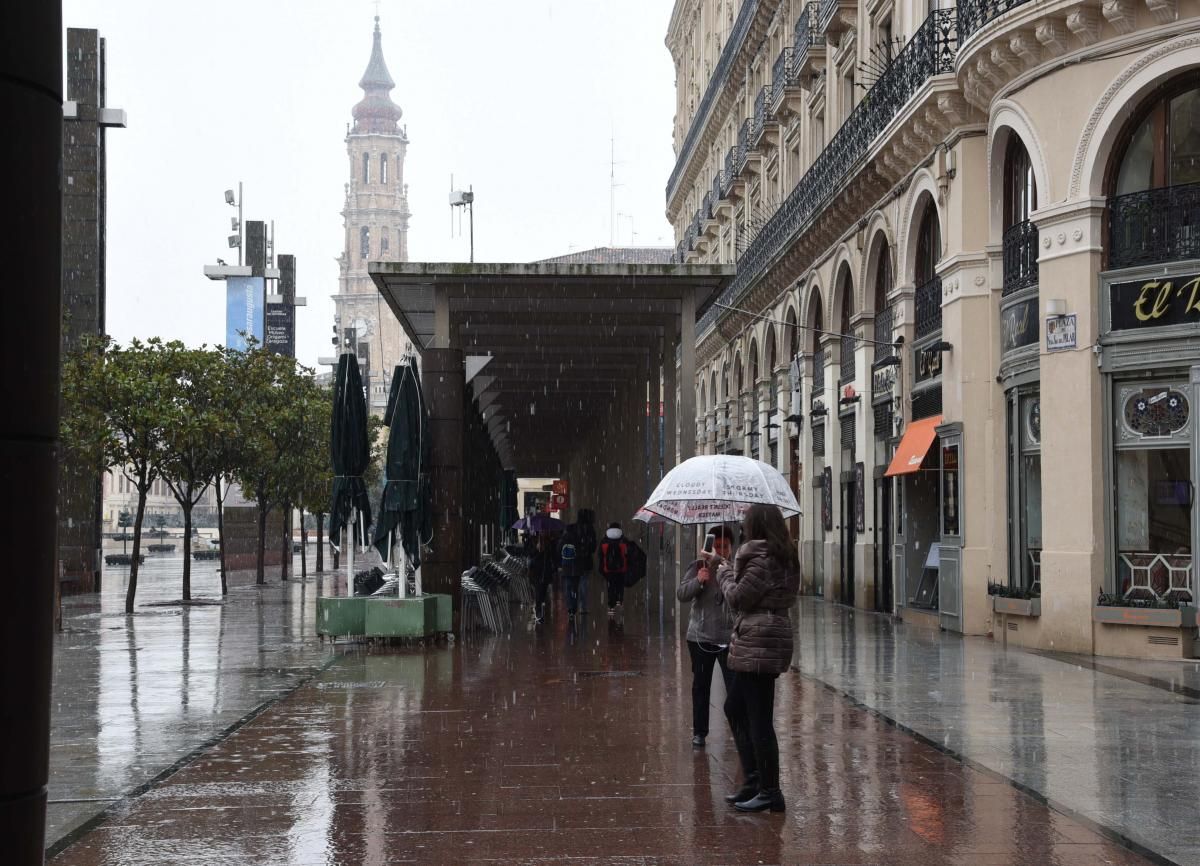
(637, 564)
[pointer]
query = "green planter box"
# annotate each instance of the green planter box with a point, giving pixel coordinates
(1017, 606)
(337, 617)
(401, 617)
(444, 617)
(1182, 617)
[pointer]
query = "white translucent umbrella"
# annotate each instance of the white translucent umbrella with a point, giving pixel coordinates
(718, 488)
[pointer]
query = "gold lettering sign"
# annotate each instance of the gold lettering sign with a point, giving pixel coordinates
(1155, 303)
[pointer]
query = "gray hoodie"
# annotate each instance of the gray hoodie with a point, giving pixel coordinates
(711, 621)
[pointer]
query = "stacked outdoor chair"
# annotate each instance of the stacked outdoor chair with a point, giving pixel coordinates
(484, 604)
(513, 572)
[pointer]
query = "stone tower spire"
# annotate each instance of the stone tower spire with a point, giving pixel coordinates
(375, 217)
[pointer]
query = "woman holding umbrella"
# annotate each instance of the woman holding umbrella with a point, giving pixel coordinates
(759, 585)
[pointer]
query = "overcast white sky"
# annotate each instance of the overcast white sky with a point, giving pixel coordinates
(517, 98)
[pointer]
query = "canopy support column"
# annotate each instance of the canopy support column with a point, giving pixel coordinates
(443, 384)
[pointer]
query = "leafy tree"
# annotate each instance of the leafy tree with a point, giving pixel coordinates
(113, 416)
(195, 436)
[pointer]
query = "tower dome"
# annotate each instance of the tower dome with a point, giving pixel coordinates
(375, 112)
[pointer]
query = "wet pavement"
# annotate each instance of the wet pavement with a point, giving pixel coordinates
(133, 696)
(557, 745)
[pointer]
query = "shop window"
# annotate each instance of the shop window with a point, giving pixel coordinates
(1154, 181)
(1154, 493)
(1025, 490)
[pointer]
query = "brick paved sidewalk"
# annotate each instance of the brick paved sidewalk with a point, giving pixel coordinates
(554, 747)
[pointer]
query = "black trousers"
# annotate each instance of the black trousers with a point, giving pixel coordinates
(616, 589)
(705, 657)
(750, 709)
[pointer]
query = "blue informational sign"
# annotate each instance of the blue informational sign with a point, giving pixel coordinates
(243, 311)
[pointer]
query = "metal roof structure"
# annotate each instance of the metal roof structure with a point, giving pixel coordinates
(563, 341)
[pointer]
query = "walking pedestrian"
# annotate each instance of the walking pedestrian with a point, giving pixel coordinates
(760, 584)
(569, 570)
(709, 627)
(542, 567)
(614, 565)
(581, 536)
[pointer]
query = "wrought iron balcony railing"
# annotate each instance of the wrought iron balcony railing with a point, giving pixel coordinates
(1154, 226)
(718, 187)
(846, 366)
(742, 148)
(1020, 256)
(806, 37)
(973, 14)
(930, 52)
(929, 308)
(760, 116)
(716, 83)
(731, 165)
(827, 10)
(781, 75)
(884, 322)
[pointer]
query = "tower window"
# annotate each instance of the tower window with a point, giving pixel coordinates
(366, 162)
(364, 242)
(383, 168)
(383, 234)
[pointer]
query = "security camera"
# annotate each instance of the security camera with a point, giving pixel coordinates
(229, 197)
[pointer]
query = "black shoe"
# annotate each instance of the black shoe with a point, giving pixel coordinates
(698, 741)
(761, 802)
(746, 792)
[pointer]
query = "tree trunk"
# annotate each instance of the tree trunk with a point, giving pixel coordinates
(261, 577)
(221, 534)
(131, 591)
(187, 551)
(287, 541)
(303, 546)
(320, 542)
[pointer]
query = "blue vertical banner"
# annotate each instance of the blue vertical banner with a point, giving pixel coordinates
(243, 311)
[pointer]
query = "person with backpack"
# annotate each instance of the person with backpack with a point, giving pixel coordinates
(710, 626)
(568, 557)
(614, 565)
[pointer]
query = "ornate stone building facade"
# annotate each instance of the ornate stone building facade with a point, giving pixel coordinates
(376, 218)
(966, 305)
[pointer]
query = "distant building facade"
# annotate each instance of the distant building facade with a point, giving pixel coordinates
(616, 256)
(966, 306)
(375, 216)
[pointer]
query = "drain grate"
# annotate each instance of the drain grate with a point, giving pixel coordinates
(587, 675)
(364, 684)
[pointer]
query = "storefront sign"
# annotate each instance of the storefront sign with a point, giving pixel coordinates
(1060, 333)
(1154, 303)
(929, 364)
(860, 508)
(883, 381)
(827, 499)
(1018, 325)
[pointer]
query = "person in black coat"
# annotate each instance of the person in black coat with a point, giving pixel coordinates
(543, 564)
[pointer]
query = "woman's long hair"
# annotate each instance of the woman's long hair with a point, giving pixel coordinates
(765, 523)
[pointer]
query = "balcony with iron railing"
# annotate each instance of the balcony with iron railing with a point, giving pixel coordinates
(743, 146)
(974, 14)
(1020, 257)
(781, 77)
(930, 52)
(1154, 226)
(758, 124)
(846, 365)
(808, 43)
(929, 308)
(717, 82)
(830, 20)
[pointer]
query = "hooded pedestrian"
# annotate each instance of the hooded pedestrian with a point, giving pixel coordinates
(581, 537)
(542, 567)
(760, 585)
(710, 625)
(614, 565)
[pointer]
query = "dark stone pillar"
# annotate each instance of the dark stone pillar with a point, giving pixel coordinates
(30, 299)
(443, 383)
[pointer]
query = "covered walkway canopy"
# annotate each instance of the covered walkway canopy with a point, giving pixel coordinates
(576, 355)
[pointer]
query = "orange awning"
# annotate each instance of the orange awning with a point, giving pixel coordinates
(914, 445)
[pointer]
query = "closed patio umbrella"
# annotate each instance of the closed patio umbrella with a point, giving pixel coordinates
(350, 453)
(405, 507)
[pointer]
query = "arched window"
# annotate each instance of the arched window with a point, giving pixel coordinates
(1162, 146)
(770, 356)
(364, 242)
(793, 335)
(383, 168)
(366, 168)
(1020, 234)
(383, 242)
(817, 317)
(929, 246)
(846, 354)
(1154, 215)
(884, 314)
